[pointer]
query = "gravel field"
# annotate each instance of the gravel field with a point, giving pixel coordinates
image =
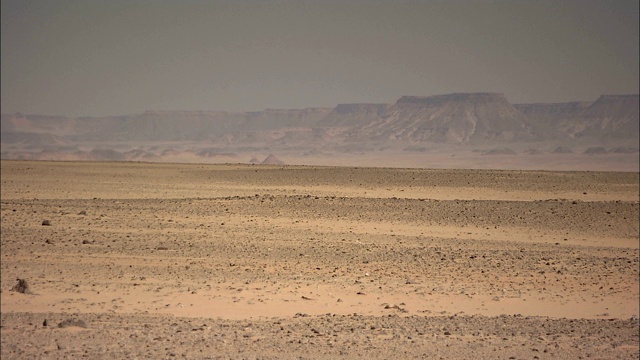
(138, 260)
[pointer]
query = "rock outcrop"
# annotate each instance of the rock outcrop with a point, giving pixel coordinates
(611, 116)
(350, 115)
(452, 118)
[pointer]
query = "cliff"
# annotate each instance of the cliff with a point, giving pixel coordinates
(451, 118)
(349, 115)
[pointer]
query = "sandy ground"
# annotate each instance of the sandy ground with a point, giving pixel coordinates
(234, 261)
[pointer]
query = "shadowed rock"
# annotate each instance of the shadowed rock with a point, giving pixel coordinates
(22, 287)
(72, 322)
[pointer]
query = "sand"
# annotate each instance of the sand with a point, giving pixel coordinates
(247, 261)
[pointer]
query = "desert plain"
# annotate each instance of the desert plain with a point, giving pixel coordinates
(156, 260)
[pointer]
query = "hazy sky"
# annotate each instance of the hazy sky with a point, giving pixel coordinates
(112, 57)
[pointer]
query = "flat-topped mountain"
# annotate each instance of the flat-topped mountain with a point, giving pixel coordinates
(451, 118)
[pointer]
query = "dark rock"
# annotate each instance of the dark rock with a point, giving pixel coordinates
(46, 223)
(72, 322)
(22, 287)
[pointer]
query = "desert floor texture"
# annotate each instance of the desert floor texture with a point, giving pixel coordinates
(237, 261)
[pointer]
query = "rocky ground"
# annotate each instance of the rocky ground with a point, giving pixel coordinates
(131, 260)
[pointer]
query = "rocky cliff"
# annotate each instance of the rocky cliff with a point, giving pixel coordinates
(350, 115)
(452, 118)
(611, 116)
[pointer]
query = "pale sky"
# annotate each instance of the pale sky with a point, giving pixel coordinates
(117, 57)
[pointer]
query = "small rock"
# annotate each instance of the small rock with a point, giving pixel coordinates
(46, 223)
(83, 212)
(72, 322)
(22, 287)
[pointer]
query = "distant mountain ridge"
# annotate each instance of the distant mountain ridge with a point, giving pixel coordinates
(458, 119)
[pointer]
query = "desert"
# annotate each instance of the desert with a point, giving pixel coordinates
(203, 261)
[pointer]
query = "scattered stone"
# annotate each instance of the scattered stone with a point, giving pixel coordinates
(83, 212)
(46, 223)
(162, 248)
(87, 242)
